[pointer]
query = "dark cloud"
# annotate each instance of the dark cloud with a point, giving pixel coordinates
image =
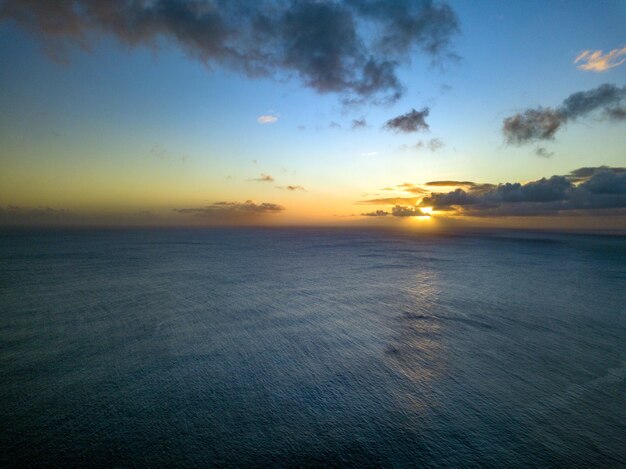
(412, 121)
(48, 216)
(377, 213)
(228, 213)
(292, 188)
(543, 123)
(617, 113)
(606, 182)
(246, 207)
(582, 174)
(263, 178)
(543, 152)
(359, 123)
(14, 215)
(406, 211)
(583, 190)
(351, 47)
(531, 125)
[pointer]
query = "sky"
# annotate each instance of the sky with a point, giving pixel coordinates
(360, 112)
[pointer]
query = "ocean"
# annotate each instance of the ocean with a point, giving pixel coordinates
(311, 347)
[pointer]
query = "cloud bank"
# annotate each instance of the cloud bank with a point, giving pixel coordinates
(583, 190)
(542, 123)
(597, 190)
(351, 47)
(229, 213)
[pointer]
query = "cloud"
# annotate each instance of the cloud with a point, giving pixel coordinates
(359, 123)
(351, 47)
(412, 188)
(228, 213)
(292, 188)
(14, 215)
(532, 124)
(584, 173)
(433, 144)
(263, 178)
(449, 183)
(369, 153)
(390, 201)
(543, 153)
(397, 211)
(596, 61)
(267, 119)
(334, 125)
(404, 211)
(412, 121)
(543, 123)
(583, 190)
(469, 186)
(246, 207)
(48, 216)
(377, 213)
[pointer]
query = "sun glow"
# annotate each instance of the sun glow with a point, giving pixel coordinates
(426, 210)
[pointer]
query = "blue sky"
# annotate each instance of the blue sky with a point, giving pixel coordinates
(131, 128)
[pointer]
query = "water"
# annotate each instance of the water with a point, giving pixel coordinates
(311, 347)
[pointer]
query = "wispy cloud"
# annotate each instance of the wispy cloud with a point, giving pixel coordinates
(323, 43)
(267, 119)
(412, 121)
(597, 61)
(543, 123)
(411, 188)
(433, 144)
(359, 123)
(390, 201)
(542, 152)
(292, 188)
(263, 178)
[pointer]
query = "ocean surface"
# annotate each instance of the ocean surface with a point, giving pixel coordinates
(311, 347)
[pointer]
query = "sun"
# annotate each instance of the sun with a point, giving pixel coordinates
(426, 210)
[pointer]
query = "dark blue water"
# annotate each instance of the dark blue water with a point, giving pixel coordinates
(311, 347)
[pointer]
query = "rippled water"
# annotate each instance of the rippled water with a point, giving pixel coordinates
(311, 347)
